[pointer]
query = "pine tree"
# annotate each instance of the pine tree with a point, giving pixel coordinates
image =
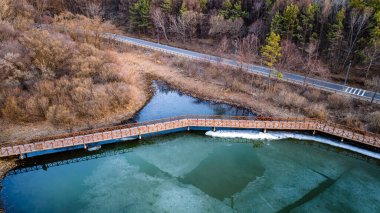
(305, 29)
(166, 6)
(203, 4)
(183, 8)
(276, 25)
(232, 11)
(372, 51)
(360, 4)
(140, 14)
(226, 8)
(335, 34)
(271, 52)
(290, 20)
(238, 12)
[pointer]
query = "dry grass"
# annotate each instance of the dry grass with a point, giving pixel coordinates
(62, 82)
(352, 120)
(290, 99)
(338, 101)
(316, 111)
(233, 86)
(373, 120)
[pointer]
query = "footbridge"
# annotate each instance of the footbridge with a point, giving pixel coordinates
(182, 123)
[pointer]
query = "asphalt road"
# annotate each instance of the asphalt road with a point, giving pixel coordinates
(294, 78)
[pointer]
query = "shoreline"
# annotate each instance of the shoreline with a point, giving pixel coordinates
(6, 165)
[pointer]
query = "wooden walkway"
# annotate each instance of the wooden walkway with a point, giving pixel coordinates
(183, 122)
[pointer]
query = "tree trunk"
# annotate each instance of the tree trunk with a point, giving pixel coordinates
(368, 68)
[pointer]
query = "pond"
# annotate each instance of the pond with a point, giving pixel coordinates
(223, 171)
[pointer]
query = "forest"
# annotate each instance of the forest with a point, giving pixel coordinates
(325, 38)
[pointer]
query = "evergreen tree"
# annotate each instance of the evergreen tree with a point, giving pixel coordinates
(232, 11)
(140, 14)
(360, 4)
(276, 25)
(238, 12)
(290, 20)
(375, 32)
(372, 51)
(308, 18)
(335, 34)
(271, 52)
(166, 6)
(183, 8)
(203, 5)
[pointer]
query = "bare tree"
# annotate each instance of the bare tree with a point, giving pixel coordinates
(94, 9)
(358, 21)
(184, 26)
(177, 26)
(250, 44)
(221, 27)
(310, 49)
(372, 54)
(159, 21)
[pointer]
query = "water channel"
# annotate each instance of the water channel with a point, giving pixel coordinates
(226, 171)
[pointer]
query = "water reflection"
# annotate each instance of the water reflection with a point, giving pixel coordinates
(168, 102)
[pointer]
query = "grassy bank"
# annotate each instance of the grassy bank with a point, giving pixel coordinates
(233, 86)
(63, 78)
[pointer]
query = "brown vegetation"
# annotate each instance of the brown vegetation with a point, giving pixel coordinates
(58, 71)
(233, 86)
(65, 74)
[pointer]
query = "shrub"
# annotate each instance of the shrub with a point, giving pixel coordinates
(7, 31)
(312, 94)
(316, 111)
(11, 109)
(60, 115)
(180, 62)
(291, 99)
(118, 94)
(352, 120)
(337, 101)
(37, 107)
(373, 120)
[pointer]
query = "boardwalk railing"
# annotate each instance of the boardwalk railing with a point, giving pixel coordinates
(182, 122)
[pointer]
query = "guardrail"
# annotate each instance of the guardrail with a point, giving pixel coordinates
(84, 138)
(247, 68)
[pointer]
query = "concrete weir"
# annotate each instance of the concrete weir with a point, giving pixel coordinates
(181, 123)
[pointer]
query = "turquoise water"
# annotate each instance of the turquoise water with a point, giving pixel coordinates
(192, 172)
